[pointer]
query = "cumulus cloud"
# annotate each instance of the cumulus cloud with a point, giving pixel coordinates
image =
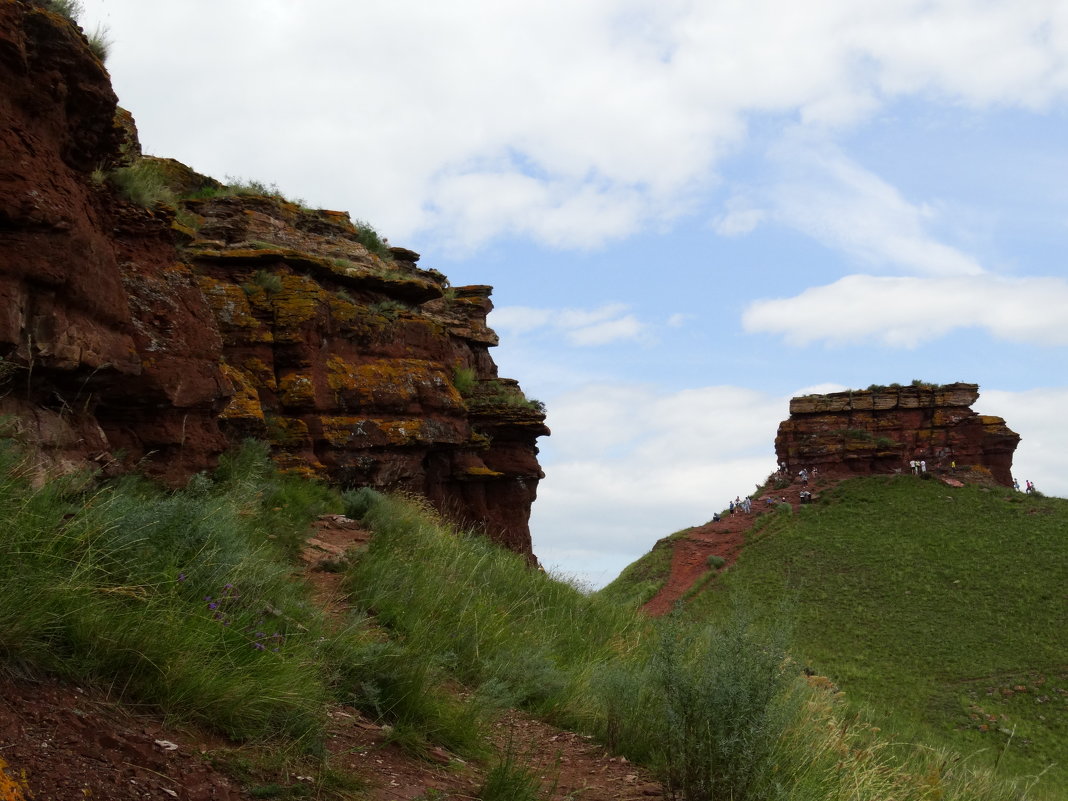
(571, 124)
(1036, 416)
(649, 463)
(907, 311)
(582, 327)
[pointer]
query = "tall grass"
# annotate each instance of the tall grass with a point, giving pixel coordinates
(177, 600)
(717, 711)
(186, 601)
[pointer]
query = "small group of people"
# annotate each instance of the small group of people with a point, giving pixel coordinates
(1030, 486)
(918, 466)
(804, 475)
(740, 505)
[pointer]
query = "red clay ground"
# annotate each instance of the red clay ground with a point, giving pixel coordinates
(689, 561)
(62, 743)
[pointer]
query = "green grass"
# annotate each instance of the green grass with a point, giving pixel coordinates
(143, 183)
(187, 601)
(941, 610)
(178, 600)
(640, 580)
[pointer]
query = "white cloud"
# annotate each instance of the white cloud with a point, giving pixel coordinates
(844, 206)
(571, 124)
(820, 192)
(628, 465)
(1037, 416)
(907, 311)
(740, 218)
(582, 327)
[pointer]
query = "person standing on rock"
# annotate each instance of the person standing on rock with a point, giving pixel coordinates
(923, 465)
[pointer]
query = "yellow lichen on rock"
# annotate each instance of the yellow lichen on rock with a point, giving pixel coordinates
(230, 304)
(261, 372)
(245, 402)
(296, 390)
(288, 432)
(295, 304)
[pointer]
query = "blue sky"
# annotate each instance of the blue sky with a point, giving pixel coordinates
(690, 211)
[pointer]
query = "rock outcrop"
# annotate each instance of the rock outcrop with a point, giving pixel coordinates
(156, 336)
(881, 430)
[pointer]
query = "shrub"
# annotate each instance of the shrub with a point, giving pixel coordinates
(269, 282)
(716, 562)
(464, 379)
(723, 703)
(239, 186)
(390, 308)
(367, 236)
(141, 183)
(70, 9)
(100, 42)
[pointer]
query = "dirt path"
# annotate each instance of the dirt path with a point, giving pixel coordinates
(59, 742)
(725, 538)
(571, 765)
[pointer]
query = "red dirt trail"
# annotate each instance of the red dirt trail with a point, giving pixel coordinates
(726, 538)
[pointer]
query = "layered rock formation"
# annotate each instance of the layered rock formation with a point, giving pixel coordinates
(882, 430)
(156, 336)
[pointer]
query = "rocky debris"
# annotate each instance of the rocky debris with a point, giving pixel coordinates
(156, 337)
(64, 743)
(883, 430)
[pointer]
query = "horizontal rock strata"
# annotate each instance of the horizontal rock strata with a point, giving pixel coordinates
(882, 430)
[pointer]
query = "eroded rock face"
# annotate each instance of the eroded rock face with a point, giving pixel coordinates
(880, 431)
(156, 338)
(107, 343)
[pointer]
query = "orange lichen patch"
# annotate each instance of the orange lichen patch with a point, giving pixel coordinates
(483, 472)
(343, 309)
(397, 384)
(261, 372)
(354, 433)
(296, 390)
(852, 445)
(12, 788)
(288, 432)
(344, 271)
(245, 402)
(479, 441)
(296, 303)
(231, 307)
(303, 466)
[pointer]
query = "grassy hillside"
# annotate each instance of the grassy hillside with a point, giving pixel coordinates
(943, 611)
(187, 602)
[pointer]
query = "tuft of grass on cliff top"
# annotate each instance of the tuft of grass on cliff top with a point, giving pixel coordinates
(943, 610)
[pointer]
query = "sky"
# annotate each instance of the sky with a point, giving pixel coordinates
(689, 211)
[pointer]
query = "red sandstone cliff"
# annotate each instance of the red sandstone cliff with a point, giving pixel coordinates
(158, 336)
(879, 431)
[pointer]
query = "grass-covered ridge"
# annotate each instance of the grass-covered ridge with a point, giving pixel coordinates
(942, 610)
(188, 602)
